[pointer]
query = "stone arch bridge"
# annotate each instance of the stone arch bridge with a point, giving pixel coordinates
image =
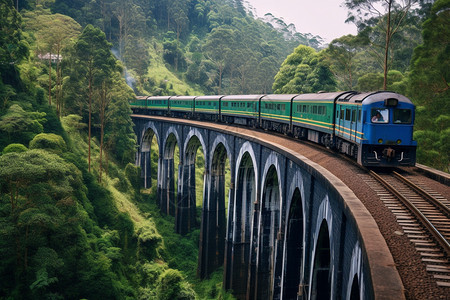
(291, 230)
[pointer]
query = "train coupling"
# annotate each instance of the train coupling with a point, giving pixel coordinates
(388, 153)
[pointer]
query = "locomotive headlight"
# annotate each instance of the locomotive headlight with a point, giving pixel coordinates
(399, 142)
(380, 141)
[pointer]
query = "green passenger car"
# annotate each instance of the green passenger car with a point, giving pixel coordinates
(276, 108)
(207, 107)
(314, 111)
(181, 106)
(243, 109)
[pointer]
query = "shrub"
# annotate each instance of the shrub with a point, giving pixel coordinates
(14, 148)
(172, 286)
(49, 141)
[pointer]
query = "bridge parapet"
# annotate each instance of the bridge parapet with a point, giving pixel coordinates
(291, 229)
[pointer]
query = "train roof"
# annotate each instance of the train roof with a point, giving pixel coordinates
(208, 98)
(158, 97)
(372, 97)
(242, 97)
(324, 96)
(182, 98)
(278, 97)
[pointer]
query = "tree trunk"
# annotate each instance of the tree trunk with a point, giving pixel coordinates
(58, 84)
(386, 50)
(50, 79)
(90, 113)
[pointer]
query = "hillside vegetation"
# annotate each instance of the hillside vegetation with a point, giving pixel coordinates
(73, 220)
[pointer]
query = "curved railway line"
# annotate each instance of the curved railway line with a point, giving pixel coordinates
(424, 219)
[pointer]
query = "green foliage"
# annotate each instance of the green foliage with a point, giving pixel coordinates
(429, 87)
(133, 175)
(370, 82)
(13, 47)
(148, 241)
(50, 142)
(304, 71)
(21, 126)
(14, 148)
(172, 286)
(374, 82)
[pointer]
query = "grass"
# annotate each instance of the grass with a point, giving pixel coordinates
(160, 74)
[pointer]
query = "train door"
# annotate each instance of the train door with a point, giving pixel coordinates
(340, 120)
(353, 129)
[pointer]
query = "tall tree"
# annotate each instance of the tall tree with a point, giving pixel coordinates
(94, 59)
(341, 53)
(13, 47)
(53, 33)
(217, 49)
(429, 87)
(388, 15)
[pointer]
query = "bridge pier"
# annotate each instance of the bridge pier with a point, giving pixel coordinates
(167, 193)
(186, 207)
(238, 241)
(146, 178)
(212, 230)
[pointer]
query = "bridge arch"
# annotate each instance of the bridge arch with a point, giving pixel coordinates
(321, 272)
(187, 201)
(144, 154)
(294, 249)
(240, 213)
(167, 179)
(355, 288)
(268, 236)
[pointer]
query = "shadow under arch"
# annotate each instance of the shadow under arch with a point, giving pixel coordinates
(269, 225)
(186, 205)
(213, 226)
(354, 294)
(167, 195)
(245, 196)
(321, 277)
(294, 247)
(146, 155)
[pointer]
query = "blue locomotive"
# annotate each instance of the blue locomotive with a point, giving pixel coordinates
(374, 128)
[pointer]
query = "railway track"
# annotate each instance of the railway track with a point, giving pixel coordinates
(424, 217)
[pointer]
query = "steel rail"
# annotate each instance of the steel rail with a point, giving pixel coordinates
(441, 206)
(421, 217)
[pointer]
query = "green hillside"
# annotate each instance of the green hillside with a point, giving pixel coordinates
(74, 222)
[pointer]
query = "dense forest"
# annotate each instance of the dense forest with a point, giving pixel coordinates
(73, 220)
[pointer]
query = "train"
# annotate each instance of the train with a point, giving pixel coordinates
(374, 128)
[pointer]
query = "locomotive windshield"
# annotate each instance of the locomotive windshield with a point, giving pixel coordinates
(380, 115)
(402, 116)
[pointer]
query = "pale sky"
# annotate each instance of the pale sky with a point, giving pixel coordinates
(325, 18)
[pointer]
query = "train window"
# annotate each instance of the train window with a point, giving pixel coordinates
(353, 115)
(314, 109)
(283, 106)
(359, 115)
(379, 115)
(402, 116)
(342, 114)
(347, 114)
(322, 110)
